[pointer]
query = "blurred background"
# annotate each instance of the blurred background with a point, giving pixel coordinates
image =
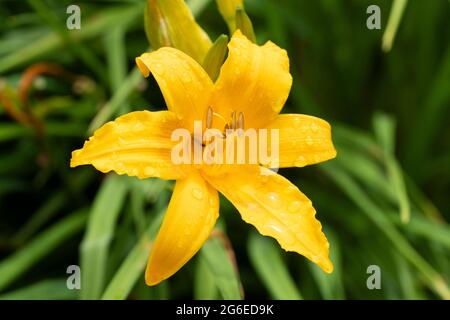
(383, 201)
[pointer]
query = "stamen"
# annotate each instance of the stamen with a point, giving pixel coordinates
(233, 120)
(209, 117)
(240, 123)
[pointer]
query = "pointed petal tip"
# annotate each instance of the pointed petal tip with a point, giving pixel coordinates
(141, 65)
(326, 265)
(152, 280)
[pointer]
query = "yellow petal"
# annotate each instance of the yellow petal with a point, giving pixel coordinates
(277, 209)
(303, 140)
(254, 80)
(190, 218)
(136, 144)
(186, 87)
(171, 23)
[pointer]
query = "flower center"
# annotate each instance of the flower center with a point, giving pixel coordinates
(235, 122)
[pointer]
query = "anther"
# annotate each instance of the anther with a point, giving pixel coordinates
(209, 117)
(233, 120)
(240, 123)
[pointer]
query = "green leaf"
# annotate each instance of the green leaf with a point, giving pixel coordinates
(433, 279)
(434, 231)
(132, 269)
(407, 279)
(81, 51)
(385, 132)
(119, 97)
(42, 215)
(330, 285)
(51, 289)
(99, 233)
(266, 260)
(95, 25)
(395, 16)
(22, 260)
(217, 259)
(115, 51)
(205, 287)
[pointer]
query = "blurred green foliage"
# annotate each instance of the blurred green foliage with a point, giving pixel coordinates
(384, 200)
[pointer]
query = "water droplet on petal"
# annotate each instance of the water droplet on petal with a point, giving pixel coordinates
(121, 141)
(314, 127)
(197, 194)
(158, 69)
(149, 171)
(275, 228)
(274, 199)
(294, 206)
(300, 162)
(186, 77)
(138, 126)
(309, 140)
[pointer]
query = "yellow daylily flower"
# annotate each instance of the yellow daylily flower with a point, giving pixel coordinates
(255, 82)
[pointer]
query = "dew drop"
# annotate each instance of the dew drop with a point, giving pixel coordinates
(309, 140)
(186, 77)
(275, 228)
(274, 198)
(121, 141)
(251, 206)
(149, 171)
(314, 127)
(264, 179)
(158, 69)
(197, 194)
(300, 162)
(138, 127)
(294, 206)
